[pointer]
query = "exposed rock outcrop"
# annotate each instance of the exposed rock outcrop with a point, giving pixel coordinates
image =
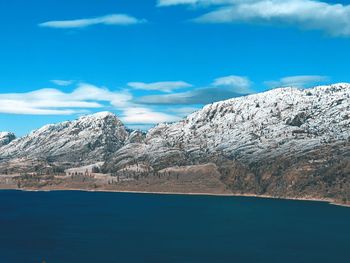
(6, 138)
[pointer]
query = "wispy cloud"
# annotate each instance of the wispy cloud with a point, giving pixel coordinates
(139, 111)
(142, 115)
(221, 89)
(197, 96)
(302, 81)
(92, 93)
(165, 86)
(113, 19)
(56, 102)
(83, 99)
(241, 85)
(332, 18)
(60, 82)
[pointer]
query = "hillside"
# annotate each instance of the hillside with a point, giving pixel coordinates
(89, 139)
(285, 142)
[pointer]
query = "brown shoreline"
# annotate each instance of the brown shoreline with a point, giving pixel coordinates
(325, 200)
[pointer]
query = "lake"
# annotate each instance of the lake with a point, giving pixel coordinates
(68, 226)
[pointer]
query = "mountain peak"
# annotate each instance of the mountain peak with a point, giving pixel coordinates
(87, 139)
(99, 116)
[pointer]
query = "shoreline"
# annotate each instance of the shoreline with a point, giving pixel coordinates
(329, 201)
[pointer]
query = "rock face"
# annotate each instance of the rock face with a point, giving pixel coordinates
(6, 138)
(285, 142)
(250, 129)
(86, 140)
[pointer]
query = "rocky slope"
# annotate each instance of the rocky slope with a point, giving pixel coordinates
(286, 121)
(87, 140)
(6, 138)
(285, 142)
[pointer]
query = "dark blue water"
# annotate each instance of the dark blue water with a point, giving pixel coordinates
(66, 227)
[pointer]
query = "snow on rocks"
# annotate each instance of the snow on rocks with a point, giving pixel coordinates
(87, 140)
(6, 138)
(280, 121)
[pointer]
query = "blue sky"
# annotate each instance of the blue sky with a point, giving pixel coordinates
(153, 61)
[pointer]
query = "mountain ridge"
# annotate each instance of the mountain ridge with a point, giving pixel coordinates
(285, 142)
(84, 136)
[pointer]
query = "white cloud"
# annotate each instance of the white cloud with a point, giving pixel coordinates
(84, 98)
(21, 107)
(138, 115)
(298, 81)
(87, 98)
(60, 82)
(332, 18)
(114, 19)
(165, 86)
(56, 102)
(240, 84)
(221, 89)
(90, 92)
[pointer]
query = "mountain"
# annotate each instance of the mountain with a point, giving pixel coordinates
(87, 140)
(285, 142)
(286, 121)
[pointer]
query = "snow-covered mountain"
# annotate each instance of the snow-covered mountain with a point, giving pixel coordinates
(283, 142)
(286, 121)
(86, 140)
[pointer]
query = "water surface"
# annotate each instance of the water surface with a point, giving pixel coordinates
(70, 226)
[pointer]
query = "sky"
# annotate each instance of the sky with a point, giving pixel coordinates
(153, 61)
